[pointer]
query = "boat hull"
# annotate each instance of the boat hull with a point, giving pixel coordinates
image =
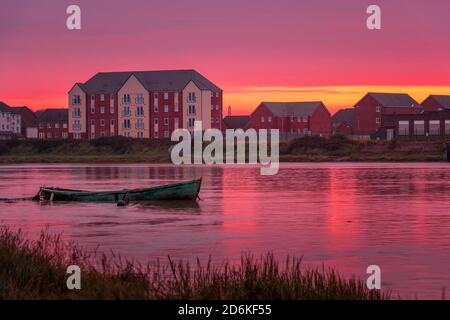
(188, 190)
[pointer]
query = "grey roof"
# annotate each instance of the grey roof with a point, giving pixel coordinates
(394, 99)
(444, 101)
(343, 115)
(236, 122)
(164, 80)
(4, 107)
(54, 115)
(287, 109)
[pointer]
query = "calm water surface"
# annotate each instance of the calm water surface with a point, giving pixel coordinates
(344, 215)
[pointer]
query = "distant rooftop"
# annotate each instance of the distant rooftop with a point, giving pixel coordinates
(54, 115)
(287, 109)
(343, 115)
(443, 100)
(236, 122)
(164, 80)
(394, 99)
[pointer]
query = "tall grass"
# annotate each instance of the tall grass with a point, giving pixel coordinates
(37, 270)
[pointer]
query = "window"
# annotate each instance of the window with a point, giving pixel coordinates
(49, 135)
(403, 128)
(378, 109)
(112, 122)
(92, 122)
(176, 122)
(269, 119)
(156, 108)
(305, 119)
(102, 110)
(92, 135)
(102, 122)
(166, 121)
(140, 134)
(155, 96)
(126, 98)
(102, 134)
(191, 97)
(140, 111)
(49, 125)
(92, 109)
(140, 124)
(65, 125)
(92, 98)
(156, 121)
(166, 95)
(126, 111)
(76, 99)
(175, 108)
(419, 127)
(435, 127)
(102, 97)
(76, 112)
(191, 109)
(212, 107)
(111, 108)
(65, 135)
(191, 122)
(155, 134)
(41, 126)
(262, 119)
(140, 98)
(217, 107)
(166, 134)
(166, 108)
(447, 127)
(378, 120)
(57, 125)
(126, 124)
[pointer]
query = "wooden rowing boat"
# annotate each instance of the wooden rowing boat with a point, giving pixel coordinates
(187, 190)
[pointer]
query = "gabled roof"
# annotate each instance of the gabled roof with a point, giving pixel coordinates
(54, 115)
(343, 115)
(164, 80)
(287, 109)
(236, 122)
(443, 100)
(394, 99)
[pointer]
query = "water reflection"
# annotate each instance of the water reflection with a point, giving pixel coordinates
(345, 215)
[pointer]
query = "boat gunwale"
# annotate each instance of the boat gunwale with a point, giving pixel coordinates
(136, 190)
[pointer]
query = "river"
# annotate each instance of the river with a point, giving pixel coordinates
(347, 216)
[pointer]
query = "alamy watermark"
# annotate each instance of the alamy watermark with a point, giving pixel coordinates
(236, 151)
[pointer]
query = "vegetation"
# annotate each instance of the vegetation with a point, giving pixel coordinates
(37, 270)
(121, 149)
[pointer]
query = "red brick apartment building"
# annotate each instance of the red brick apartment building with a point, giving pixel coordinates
(52, 124)
(436, 102)
(373, 106)
(292, 118)
(143, 104)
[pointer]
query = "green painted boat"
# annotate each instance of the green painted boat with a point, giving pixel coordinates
(187, 190)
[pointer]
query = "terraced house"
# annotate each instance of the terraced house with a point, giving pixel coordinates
(143, 104)
(10, 121)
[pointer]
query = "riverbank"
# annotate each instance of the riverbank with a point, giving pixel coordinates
(37, 270)
(307, 149)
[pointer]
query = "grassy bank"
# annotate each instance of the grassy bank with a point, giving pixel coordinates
(121, 149)
(36, 270)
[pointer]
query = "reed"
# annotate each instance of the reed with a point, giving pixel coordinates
(37, 270)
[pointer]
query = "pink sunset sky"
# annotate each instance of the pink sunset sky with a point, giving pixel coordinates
(254, 50)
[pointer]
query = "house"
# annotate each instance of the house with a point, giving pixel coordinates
(343, 121)
(436, 102)
(425, 125)
(369, 110)
(235, 122)
(52, 124)
(29, 126)
(292, 119)
(10, 122)
(143, 104)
